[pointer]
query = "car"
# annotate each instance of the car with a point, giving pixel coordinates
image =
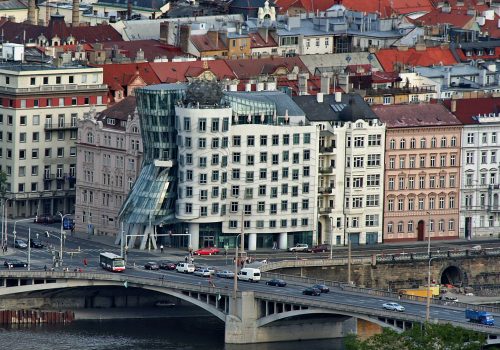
(225, 274)
(36, 243)
(202, 272)
(150, 265)
(44, 219)
(300, 247)
(276, 282)
(21, 244)
(322, 288)
(184, 267)
(311, 291)
(207, 251)
(14, 263)
(321, 248)
(167, 265)
(393, 306)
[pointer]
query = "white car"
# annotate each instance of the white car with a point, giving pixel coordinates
(185, 267)
(202, 272)
(393, 307)
(301, 247)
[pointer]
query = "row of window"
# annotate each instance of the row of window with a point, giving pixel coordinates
(471, 155)
(119, 141)
(50, 102)
(412, 161)
(400, 227)
(469, 179)
(250, 176)
(372, 160)
(60, 79)
(35, 120)
(35, 153)
(410, 182)
(412, 202)
(89, 197)
(484, 138)
(34, 186)
(35, 136)
(223, 142)
(423, 143)
(235, 191)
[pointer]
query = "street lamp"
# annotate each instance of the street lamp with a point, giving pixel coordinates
(235, 285)
(14, 231)
(331, 238)
(428, 306)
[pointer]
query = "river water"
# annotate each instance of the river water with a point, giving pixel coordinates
(200, 333)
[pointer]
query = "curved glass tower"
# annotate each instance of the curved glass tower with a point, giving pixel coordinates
(152, 198)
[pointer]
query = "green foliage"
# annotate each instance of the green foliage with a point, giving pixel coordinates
(429, 337)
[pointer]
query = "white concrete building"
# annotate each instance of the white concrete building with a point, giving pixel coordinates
(351, 168)
(247, 165)
(39, 109)
(480, 187)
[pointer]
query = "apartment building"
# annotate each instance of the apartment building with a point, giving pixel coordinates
(422, 172)
(109, 156)
(39, 109)
(350, 168)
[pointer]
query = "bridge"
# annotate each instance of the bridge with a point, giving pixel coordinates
(257, 313)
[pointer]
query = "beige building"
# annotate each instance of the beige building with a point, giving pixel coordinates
(109, 156)
(422, 172)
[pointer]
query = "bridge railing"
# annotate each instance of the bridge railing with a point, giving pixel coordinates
(313, 262)
(375, 292)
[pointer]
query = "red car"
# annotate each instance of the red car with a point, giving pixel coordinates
(321, 248)
(207, 251)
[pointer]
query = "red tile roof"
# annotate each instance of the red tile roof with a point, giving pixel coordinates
(461, 54)
(172, 72)
(118, 75)
(24, 32)
(204, 43)
(457, 18)
(412, 57)
(466, 109)
(415, 115)
(257, 41)
(308, 5)
(252, 68)
(152, 49)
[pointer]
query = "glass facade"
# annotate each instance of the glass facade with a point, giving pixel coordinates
(152, 199)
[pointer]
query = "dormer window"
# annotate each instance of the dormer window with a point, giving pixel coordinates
(479, 52)
(491, 52)
(468, 53)
(110, 121)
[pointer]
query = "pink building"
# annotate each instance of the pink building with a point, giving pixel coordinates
(109, 156)
(422, 172)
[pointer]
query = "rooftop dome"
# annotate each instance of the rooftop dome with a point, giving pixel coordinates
(204, 92)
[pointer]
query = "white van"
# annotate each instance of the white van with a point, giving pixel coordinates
(249, 274)
(185, 267)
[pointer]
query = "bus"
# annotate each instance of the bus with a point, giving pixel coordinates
(112, 262)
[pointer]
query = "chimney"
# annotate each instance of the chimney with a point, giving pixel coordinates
(453, 106)
(325, 84)
(213, 36)
(303, 77)
(319, 97)
(32, 12)
(75, 13)
(338, 97)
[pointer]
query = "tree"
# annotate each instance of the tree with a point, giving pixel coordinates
(430, 336)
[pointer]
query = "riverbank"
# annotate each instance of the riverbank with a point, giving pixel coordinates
(176, 311)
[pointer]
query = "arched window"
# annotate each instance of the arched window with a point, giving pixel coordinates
(410, 226)
(443, 141)
(422, 142)
(400, 227)
(389, 227)
(413, 143)
(402, 144)
(392, 144)
(453, 141)
(451, 225)
(433, 142)
(90, 137)
(441, 225)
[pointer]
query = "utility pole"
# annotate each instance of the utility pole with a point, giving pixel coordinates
(349, 258)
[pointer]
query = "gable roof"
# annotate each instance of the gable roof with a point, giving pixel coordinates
(204, 43)
(173, 72)
(23, 32)
(457, 18)
(119, 111)
(251, 68)
(413, 57)
(152, 49)
(118, 75)
(415, 115)
(307, 5)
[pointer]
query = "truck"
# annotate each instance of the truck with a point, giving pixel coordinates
(482, 317)
(420, 292)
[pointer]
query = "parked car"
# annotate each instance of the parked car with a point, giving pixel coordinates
(276, 282)
(167, 265)
(207, 251)
(36, 243)
(393, 306)
(184, 267)
(300, 247)
(225, 274)
(321, 248)
(150, 265)
(14, 263)
(202, 272)
(322, 288)
(21, 244)
(44, 219)
(311, 291)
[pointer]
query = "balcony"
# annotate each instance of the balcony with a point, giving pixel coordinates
(59, 126)
(325, 211)
(493, 208)
(326, 170)
(324, 149)
(325, 190)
